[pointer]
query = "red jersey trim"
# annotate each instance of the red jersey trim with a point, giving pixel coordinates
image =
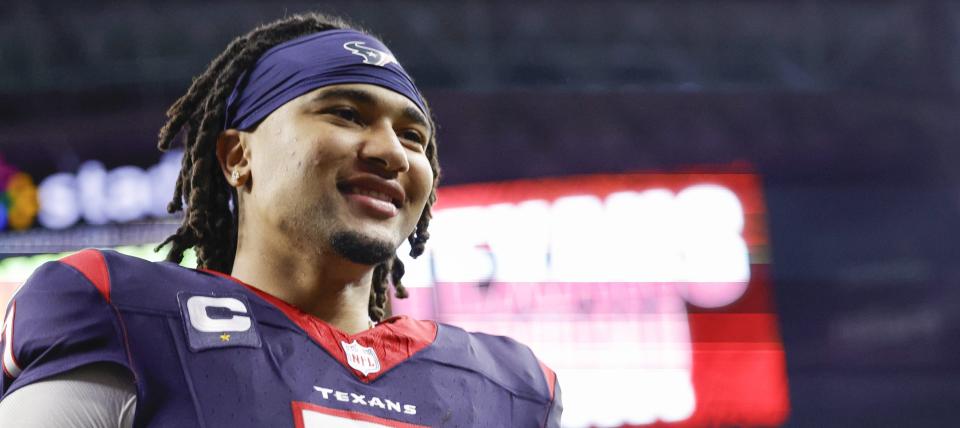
(300, 407)
(92, 265)
(11, 368)
(394, 340)
(550, 376)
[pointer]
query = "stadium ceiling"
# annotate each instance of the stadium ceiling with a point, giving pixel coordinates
(57, 46)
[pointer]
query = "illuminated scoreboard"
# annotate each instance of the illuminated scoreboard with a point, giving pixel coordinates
(649, 294)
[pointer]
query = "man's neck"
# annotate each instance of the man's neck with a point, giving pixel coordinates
(321, 284)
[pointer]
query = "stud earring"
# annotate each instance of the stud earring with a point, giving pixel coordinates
(236, 176)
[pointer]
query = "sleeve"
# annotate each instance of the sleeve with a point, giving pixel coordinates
(555, 408)
(59, 320)
(92, 396)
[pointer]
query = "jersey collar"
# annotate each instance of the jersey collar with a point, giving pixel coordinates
(393, 340)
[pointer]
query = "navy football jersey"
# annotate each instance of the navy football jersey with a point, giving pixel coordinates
(206, 350)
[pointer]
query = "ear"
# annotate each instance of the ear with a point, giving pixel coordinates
(232, 154)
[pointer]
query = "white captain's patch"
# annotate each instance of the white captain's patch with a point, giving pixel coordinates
(217, 321)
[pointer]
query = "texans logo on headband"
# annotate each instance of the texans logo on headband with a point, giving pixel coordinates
(369, 55)
(295, 67)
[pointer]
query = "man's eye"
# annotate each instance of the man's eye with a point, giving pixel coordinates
(346, 113)
(414, 136)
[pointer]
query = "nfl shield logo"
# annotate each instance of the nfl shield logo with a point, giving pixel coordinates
(361, 358)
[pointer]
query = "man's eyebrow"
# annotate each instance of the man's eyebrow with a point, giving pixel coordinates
(416, 117)
(360, 96)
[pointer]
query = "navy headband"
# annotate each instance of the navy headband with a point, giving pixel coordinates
(301, 65)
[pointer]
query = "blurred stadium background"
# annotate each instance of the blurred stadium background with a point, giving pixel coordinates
(734, 213)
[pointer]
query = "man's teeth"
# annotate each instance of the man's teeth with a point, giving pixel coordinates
(373, 194)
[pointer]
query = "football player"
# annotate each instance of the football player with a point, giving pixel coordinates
(310, 156)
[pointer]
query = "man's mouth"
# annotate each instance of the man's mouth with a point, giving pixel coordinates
(373, 195)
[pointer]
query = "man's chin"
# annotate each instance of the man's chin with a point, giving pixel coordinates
(362, 249)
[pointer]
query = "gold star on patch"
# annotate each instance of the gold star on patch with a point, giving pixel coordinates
(224, 337)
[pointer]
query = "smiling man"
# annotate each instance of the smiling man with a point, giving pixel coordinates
(310, 157)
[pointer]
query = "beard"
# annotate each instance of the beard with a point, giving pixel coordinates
(360, 248)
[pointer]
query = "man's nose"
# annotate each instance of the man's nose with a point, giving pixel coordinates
(382, 147)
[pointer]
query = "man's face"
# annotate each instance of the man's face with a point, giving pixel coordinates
(341, 168)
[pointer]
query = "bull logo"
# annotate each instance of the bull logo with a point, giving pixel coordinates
(370, 55)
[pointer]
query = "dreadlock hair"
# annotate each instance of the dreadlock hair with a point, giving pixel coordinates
(209, 225)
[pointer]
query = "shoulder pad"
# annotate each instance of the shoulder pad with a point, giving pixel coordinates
(501, 359)
(136, 283)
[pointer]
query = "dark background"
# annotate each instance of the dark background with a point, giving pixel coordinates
(847, 109)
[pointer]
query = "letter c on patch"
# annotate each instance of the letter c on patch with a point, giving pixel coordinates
(197, 307)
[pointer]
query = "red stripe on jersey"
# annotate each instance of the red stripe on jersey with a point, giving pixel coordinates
(93, 266)
(9, 363)
(550, 376)
(302, 411)
(394, 339)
